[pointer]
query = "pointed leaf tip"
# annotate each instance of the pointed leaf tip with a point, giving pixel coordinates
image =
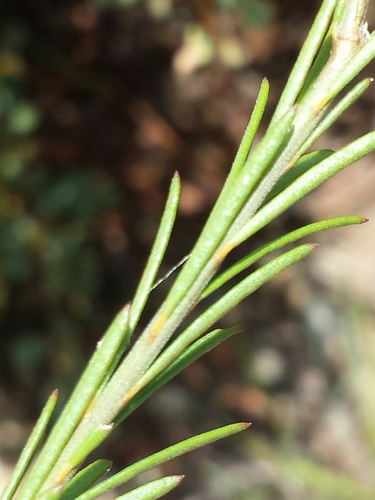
(246, 425)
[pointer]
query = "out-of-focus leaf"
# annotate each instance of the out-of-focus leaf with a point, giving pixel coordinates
(76, 195)
(7, 99)
(359, 344)
(15, 260)
(28, 351)
(257, 13)
(111, 3)
(12, 165)
(196, 51)
(11, 64)
(70, 265)
(23, 118)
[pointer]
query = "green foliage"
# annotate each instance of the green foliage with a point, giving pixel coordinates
(50, 220)
(265, 180)
(257, 13)
(313, 477)
(47, 218)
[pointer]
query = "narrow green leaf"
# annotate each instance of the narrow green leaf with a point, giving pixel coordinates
(306, 58)
(112, 401)
(30, 447)
(217, 310)
(85, 478)
(152, 267)
(237, 166)
(161, 457)
(90, 443)
(250, 132)
(196, 272)
(303, 165)
(259, 162)
(239, 162)
(278, 243)
(188, 356)
(336, 112)
(154, 489)
(306, 183)
(319, 63)
(77, 404)
(157, 252)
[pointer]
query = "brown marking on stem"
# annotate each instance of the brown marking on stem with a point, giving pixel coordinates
(90, 406)
(63, 473)
(292, 162)
(322, 103)
(130, 395)
(157, 327)
(222, 253)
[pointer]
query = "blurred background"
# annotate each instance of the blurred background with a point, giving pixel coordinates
(100, 102)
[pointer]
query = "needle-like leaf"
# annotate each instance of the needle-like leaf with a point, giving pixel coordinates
(306, 183)
(154, 489)
(162, 457)
(188, 356)
(77, 404)
(278, 243)
(85, 478)
(29, 449)
(217, 310)
(157, 253)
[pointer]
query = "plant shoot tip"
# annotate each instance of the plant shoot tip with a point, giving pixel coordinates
(246, 425)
